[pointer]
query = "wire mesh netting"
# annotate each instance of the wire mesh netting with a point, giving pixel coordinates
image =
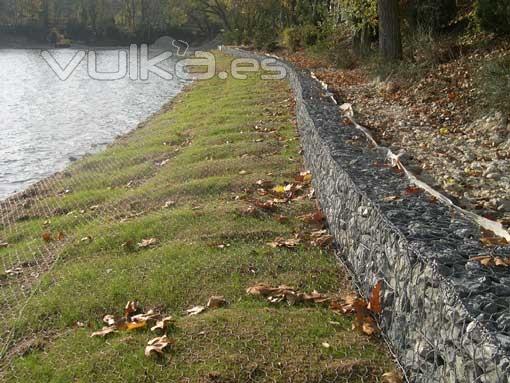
(206, 200)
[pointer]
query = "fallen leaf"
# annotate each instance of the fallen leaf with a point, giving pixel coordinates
(286, 293)
(157, 346)
(326, 345)
(493, 241)
(316, 297)
(366, 325)
(321, 238)
(132, 308)
(250, 211)
(280, 189)
(304, 177)
(317, 217)
(375, 298)
(265, 205)
(264, 184)
(487, 260)
(104, 332)
(169, 204)
(281, 242)
(196, 310)
(130, 326)
(47, 237)
(392, 377)
(344, 304)
(15, 271)
(162, 324)
(147, 243)
(60, 236)
(109, 320)
(391, 198)
(410, 190)
(3, 244)
(216, 302)
(444, 131)
(146, 317)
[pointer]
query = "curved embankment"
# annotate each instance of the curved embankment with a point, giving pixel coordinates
(446, 317)
(170, 215)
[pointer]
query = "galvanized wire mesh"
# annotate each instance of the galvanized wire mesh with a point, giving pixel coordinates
(76, 253)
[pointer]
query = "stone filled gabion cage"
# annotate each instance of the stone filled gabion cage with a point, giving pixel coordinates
(446, 318)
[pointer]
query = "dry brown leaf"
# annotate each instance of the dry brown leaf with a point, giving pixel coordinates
(316, 297)
(265, 205)
(147, 317)
(281, 242)
(304, 177)
(157, 346)
(104, 332)
(375, 304)
(196, 310)
(392, 377)
(488, 260)
(162, 324)
(109, 320)
(369, 327)
(494, 241)
(410, 190)
(15, 271)
(317, 217)
(261, 289)
(321, 238)
(216, 302)
(47, 237)
(344, 304)
(286, 293)
(264, 184)
(169, 203)
(60, 236)
(148, 243)
(132, 308)
(3, 244)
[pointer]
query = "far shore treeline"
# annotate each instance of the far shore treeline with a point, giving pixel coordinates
(264, 24)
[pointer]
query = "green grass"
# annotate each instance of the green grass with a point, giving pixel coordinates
(494, 82)
(208, 137)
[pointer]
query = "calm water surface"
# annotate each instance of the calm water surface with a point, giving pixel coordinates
(45, 122)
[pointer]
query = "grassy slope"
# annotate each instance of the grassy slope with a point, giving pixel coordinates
(209, 137)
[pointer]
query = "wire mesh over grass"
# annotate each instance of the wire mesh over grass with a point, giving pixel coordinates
(160, 217)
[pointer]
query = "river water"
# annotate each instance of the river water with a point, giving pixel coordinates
(46, 122)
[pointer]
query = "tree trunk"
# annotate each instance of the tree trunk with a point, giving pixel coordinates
(362, 40)
(390, 41)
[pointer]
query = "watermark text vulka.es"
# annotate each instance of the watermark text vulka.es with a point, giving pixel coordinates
(138, 63)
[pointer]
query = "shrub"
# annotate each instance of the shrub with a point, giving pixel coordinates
(494, 15)
(432, 15)
(291, 39)
(264, 38)
(234, 37)
(309, 35)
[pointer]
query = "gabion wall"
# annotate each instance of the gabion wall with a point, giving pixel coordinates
(447, 318)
